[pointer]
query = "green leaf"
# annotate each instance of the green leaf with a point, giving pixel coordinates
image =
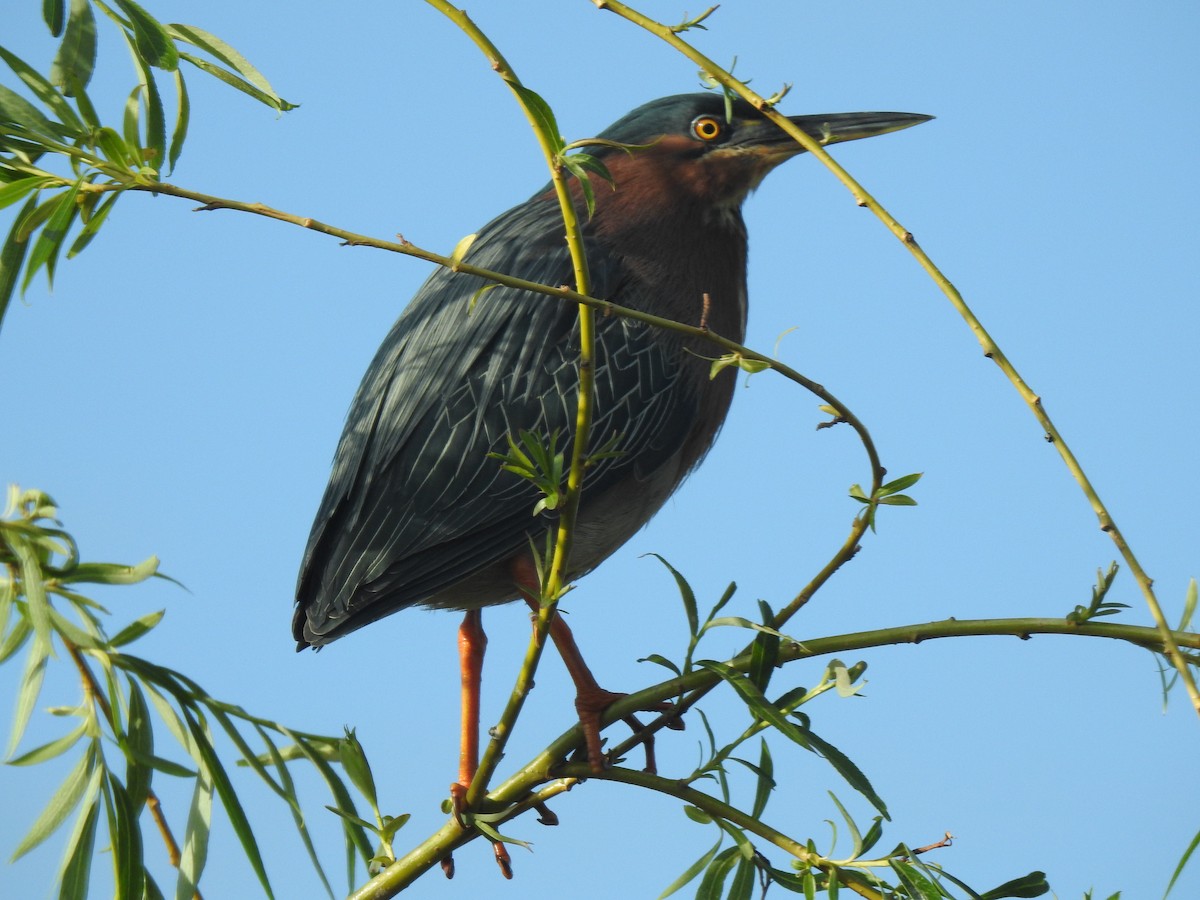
(239, 83)
(712, 885)
(209, 760)
(766, 781)
(459, 253)
(31, 687)
(1032, 885)
(194, 853)
(212, 44)
(111, 573)
(75, 60)
(45, 251)
(15, 191)
(289, 796)
(358, 770)
(692, 871)
(696, 814)
(845, 767)
(686, 594)
(541, 114)
(75, 875)
(138, 744)
(52, 13)
(79, 781)
(659, 659)
(182, 117)
(900, 484)
(129, 871)
(136, 629)
(91, 227)
(44, 91)
(12, 255)
(917, 884)
(17, 110)
(153, 44)
(764, 652)
(156, 119)
(51, 749)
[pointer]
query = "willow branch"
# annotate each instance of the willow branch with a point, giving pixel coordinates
(990, 348)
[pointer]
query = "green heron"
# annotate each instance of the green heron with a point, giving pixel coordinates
(419, 513)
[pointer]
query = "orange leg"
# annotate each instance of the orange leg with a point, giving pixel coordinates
(472, 642)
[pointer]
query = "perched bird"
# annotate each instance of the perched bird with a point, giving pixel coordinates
(417, 511)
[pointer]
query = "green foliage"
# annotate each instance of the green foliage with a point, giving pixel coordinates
(67, 163)
(126, 703)
(887, 495)
(1099, 606)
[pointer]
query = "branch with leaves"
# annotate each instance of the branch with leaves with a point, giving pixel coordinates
(122, 695)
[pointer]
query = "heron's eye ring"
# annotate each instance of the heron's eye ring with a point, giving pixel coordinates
(707, 128)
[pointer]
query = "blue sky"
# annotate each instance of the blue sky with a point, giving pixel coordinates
(181, 391)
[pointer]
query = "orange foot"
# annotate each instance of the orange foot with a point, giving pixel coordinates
(590, 704)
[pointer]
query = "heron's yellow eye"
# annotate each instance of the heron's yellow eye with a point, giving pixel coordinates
(707, 128)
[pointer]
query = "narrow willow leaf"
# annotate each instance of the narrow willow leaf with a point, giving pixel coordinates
(16, 109)
(712, 885)
(229, 800)
(15, 639)
(692, 871)
(44, 91)
(195, 840)
(138, 746)
(18, 190)
(65, 799)
(136, 629)
(153, 43)
(75, 875)
(46, 249)
(129, 871)
(115, 150)
(848, 770)
(759, 705)
(293, 802)
(659, 659)
(212, 44)
(855, 834)
(742, 886)
(182, 117)
(488, 831)
(686, 594)
(156, 120)
(31, 687)
(356, 836)
(540, 112)
(362, 823)
(92, 226)
(766, 780)
(917, 884)
(51, 749)
(696, 814)
(53, 14)
(899, 484)
(12, 255)
(235, 82)
(1032, 885)
(358, 770)
(111, 573)
(76, 57)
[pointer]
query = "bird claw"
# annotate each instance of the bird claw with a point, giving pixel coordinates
(590, 705)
